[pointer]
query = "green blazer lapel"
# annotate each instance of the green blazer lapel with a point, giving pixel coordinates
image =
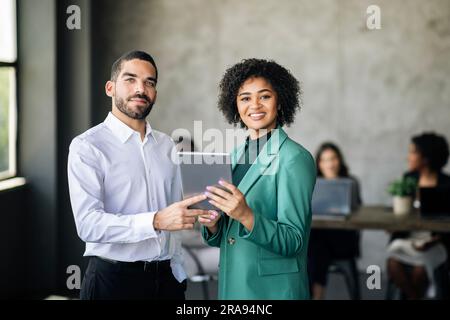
(267, 161)
(265, 164)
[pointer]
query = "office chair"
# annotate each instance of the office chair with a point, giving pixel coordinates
(204, 260)
(348, 269)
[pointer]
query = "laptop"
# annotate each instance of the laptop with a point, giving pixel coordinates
(334, 199)
(199, 170)
(435, 203)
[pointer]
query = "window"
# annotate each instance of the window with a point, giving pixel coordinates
(8, 101)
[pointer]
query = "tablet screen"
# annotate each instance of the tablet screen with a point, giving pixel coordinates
(199, 170)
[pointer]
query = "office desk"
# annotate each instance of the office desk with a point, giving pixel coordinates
(379, 217)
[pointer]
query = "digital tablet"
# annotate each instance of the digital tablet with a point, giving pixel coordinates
(199, 170)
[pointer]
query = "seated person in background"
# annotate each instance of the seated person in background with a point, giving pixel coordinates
(328, 245)
(413, 256)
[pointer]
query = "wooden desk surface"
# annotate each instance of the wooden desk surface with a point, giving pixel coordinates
(378, 217)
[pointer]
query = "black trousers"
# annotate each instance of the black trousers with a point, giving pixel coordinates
(107, 280)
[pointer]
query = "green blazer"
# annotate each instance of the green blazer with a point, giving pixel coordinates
(270, 261)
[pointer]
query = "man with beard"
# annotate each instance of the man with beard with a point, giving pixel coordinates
(126, 194)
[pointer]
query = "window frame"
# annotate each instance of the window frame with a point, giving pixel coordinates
(13, 113)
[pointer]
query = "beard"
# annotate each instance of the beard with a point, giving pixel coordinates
(140, 112)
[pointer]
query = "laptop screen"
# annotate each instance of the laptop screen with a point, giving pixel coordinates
(333, 197)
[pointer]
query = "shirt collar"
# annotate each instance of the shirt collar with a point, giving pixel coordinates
(122, 131)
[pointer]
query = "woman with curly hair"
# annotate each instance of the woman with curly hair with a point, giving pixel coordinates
(413, 256)
(263, 230)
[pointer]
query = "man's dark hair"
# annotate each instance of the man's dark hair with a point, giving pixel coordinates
(343, 168)
(433, 148)
(283, 82)
(140, 55)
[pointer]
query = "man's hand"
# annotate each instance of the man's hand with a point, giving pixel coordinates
(177, 216)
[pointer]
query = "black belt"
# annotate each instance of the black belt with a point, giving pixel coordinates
(152, 266)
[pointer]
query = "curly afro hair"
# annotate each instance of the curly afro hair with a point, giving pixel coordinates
(434, 148)
(283, 82)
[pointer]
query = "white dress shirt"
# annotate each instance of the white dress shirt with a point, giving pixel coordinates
(117, 182)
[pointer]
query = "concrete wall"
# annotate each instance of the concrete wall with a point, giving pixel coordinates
(369, 91)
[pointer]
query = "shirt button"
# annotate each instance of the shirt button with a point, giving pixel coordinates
(231, 241)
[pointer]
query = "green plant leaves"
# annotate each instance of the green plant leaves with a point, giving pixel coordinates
(403, 187)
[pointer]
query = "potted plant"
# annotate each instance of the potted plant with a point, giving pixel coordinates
(403, 191)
